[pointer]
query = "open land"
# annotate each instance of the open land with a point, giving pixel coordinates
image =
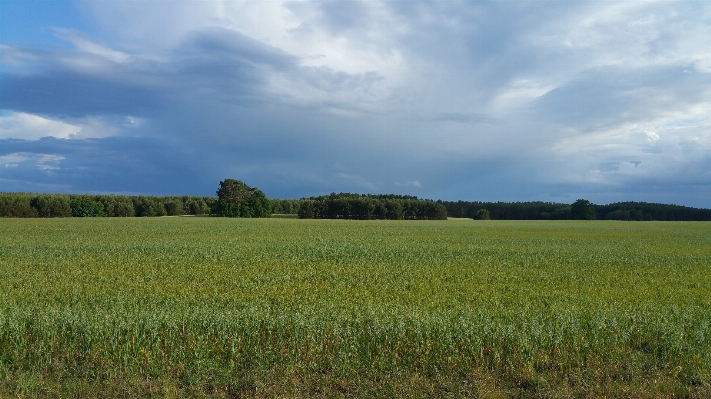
(215, 307)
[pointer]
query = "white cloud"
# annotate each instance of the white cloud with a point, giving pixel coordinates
(84, 44)
(106, 126)
(48, 161)
(13, 159)
(304, 29)
(651, 136)
(44, 162)
(20, 125)
(517, 94)
(24, 126)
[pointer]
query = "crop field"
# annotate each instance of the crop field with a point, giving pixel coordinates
(215, 307)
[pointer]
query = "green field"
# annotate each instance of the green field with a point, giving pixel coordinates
(213, 307)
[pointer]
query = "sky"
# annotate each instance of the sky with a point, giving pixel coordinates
(455, 100)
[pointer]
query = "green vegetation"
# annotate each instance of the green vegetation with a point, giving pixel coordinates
(86, 206)
(370, 207)
(28, 205)
(482, 214)
(236, 199)
(556, 211)
(333, 206)
(582, 210)
(219, 307)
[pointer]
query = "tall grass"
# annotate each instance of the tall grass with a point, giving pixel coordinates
(219, 307)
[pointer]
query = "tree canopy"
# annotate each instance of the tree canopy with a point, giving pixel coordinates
(582, 210)
(368, 207)
(352, 206)
(482, 214)
(236, 199)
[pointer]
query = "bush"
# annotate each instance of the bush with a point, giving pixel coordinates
(482, 214)
(85, 206)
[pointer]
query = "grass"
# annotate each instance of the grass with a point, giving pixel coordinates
(211, 307)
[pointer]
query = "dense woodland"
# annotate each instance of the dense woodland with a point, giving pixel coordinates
(334, 206)
(555, 211)
(369, 207)
(234, 199)
(70, 205)
(537, 210)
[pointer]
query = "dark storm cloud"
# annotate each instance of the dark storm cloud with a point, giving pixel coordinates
(612, 95)
(212, 62)
(137, 165)
(210, 93)
(71, 93)
(224, 45)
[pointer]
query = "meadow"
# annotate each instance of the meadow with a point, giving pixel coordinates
(217, 307)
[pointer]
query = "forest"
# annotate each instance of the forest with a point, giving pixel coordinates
(333, 206)
(370, 207)
(28, 205)
(557, 211)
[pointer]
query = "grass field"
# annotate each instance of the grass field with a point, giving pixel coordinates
(212, 307)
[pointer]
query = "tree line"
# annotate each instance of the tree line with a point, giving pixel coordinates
(28, 205)
(558, 211)
(236, 199)
(651, 211)
(364, 207)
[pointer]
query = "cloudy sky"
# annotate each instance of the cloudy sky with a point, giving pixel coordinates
(495, 101)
